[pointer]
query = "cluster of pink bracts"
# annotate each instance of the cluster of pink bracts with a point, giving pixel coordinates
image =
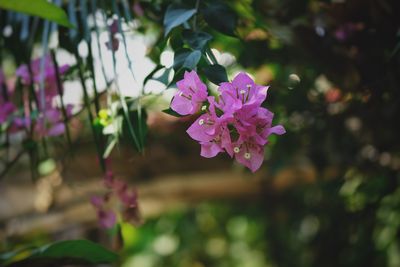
(235, 122)
(127, 198)
(45, 117)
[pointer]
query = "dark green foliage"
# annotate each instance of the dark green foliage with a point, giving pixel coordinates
(186, 58)
(196, 40)
(60, 254)
(220, 17)
(171, 112)
(215, 74)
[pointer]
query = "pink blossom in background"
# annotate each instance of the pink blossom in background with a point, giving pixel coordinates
(50, 77)
(6, 109)
(50, 123)
(107, 218)
(113, 43)
(126, 197)
(137, 9)
(191, 94)
(235, 123)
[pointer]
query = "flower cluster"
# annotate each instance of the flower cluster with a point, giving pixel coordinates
(126, 197)
(235, 122)
(48, 120)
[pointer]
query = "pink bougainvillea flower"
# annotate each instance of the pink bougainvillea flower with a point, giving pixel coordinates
(220, 142)
(236, 123)
(6, 109)
(125, 196)
(50, 77)
(205, 127)
(245, 90)
(113, 44)
(191, 94)
(51, 122)
(249, 153)
(49, 70)
(211, 131)
(106, 218)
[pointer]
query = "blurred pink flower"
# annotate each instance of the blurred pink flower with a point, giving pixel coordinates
(127, 198)
(113, 43)
(49, 73)
(6, 109)
(107, 218)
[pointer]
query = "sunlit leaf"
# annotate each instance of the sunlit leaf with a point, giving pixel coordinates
(66, 252)
(40, 8)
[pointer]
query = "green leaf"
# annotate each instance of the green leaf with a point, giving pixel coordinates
(66, 252)
(220, 17)
(39, 8)
(171, 112)
(192, 59)
(164, 78)
(216, 74)
(186, 58)
(180, 57)
(196, 40)
(175, 39)
(175, 16)
(137, 118)
(151, 74)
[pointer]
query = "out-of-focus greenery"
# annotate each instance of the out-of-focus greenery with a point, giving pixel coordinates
(305, 226)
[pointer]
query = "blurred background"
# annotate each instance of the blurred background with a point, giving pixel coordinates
(328, 192)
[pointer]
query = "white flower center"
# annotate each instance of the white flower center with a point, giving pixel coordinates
(242, 92)
(247, 155)
(203, 108)
(248, 86)
(236, 149)
(201, 122)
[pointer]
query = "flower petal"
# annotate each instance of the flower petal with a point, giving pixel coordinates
(209, 149)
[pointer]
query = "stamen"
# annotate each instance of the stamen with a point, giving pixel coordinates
(247, 155)
(185, 96)
(248, 86)
(242, 92)
(204, 108)
(209, 122)
(201, 122)
(236, 149)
